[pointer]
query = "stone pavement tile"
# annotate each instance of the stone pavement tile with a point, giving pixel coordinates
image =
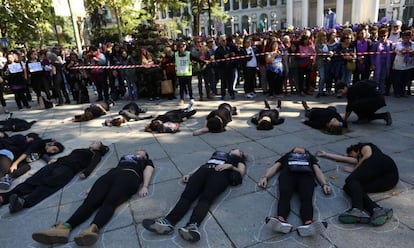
(186, 162)
(391, 234)
(230, 137)
(187, 145)
(165, 170)
(404, 161)
(319, 138)
(254, 151)
(161, 199)
(17, 229)
(122, 237)
(284, 143)
(402, 206)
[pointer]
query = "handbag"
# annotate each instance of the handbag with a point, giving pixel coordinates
(351, 65)
(166, 87)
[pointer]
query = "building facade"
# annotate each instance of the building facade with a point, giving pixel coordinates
(248, 16)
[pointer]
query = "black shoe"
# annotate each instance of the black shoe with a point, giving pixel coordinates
(266, 104)
(279, 104)
(305, 105)
(388, 119)
(16, 203)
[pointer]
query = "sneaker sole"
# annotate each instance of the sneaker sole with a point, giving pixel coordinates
(380, 220)
(278, 227)
(86, 240)
(353, 219)
(46, 239)
(4, 186)
(306, 231)
(189, 235)
(151, 226)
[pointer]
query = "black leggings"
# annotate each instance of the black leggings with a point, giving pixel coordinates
(373, 175)
(304, 184)
(185, 84)
(106, 194)
(206, 184)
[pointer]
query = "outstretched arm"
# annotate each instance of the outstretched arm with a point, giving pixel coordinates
(269, 173)
(337, 157)
(322, 180)
(187, 176)
(148, 172)
(201, 130)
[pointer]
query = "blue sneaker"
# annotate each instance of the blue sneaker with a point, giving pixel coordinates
(6, 182)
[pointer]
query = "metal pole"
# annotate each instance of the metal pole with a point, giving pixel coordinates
(75, 28)
(209, 17)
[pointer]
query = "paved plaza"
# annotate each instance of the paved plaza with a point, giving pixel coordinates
(237, 218)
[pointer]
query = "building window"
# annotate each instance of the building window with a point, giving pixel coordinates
(226, 5)
(263, 3)
(273, 2)
(283, 1)
(236, 4)
(253, 3)
(245, 4)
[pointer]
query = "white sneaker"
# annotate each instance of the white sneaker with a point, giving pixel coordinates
(278, 226)
(312, 229)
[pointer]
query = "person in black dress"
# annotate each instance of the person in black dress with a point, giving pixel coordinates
(37, 149)
(364, 99)
(170, 121)
(94, 110)
(206, 182)
(374, 172)
(129, 112)
(106, 194)
(54, 176)
(217, 120)
(267, 118)
(325, 119)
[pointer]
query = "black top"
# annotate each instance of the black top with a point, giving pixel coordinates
(225, 157)
(293, 156)
(16, 144)
(360, 90)
(319, 117)
(79, 160)
(38, 147)
(224, 114)
(273, 114)
(135, 162)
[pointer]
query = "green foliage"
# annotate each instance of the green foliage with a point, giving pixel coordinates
(30, 22)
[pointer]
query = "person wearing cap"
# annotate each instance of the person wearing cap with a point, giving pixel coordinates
(395, 34)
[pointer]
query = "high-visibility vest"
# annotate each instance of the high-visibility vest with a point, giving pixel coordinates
(183, 65)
